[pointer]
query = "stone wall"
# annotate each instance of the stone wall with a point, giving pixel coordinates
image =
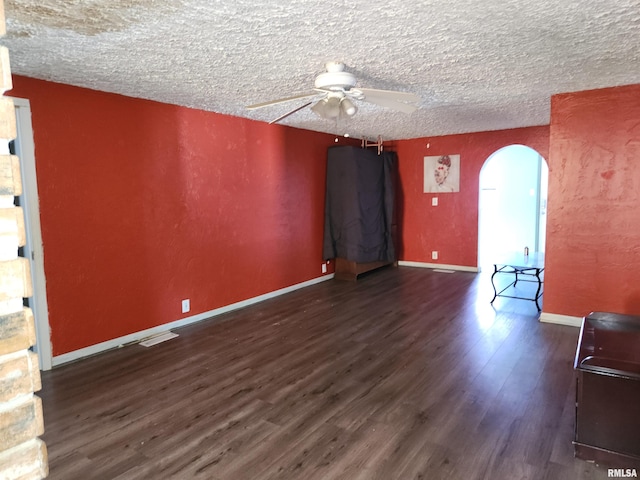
(22, 454)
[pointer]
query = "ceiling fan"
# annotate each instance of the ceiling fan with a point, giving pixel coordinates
(334, 94)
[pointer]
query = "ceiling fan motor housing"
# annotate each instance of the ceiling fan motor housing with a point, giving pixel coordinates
(335, 78)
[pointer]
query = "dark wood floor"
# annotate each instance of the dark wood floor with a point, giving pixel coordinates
(406, 374)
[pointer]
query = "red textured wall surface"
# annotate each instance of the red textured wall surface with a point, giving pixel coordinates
(593, 226)
(144, 204)
(451, 228)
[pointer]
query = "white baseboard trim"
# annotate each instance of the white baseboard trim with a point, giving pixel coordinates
(143, 334)
(561, 319)
(441, 266)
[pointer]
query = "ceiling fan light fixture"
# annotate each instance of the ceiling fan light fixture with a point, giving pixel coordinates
(319, 107)
(348, 107)
(328, 108)
(333, 107)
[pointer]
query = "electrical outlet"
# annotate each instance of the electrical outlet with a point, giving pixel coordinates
(434, 255)
(186, 305)
(324, 268)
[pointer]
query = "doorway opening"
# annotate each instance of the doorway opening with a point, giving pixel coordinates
(513, 204)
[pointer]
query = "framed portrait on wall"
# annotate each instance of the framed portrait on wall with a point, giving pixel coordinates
(442, 174)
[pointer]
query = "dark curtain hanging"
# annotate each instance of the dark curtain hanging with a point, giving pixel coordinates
(359, 205)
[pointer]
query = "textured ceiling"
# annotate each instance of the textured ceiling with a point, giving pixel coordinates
(476, 65)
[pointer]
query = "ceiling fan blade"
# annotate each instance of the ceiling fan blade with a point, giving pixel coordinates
(290, 113)
(393, 104)
(371, 93)
(281, 100)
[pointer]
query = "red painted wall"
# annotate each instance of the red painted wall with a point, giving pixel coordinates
(593, 246)
(144, 204)
(451, 228)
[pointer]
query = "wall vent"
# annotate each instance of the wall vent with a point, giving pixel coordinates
(159, 338)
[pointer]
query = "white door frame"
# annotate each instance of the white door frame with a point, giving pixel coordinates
(25, 150)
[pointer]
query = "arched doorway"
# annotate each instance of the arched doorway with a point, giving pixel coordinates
(512, 203)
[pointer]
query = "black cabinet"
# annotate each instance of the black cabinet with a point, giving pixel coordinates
(607, 367)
